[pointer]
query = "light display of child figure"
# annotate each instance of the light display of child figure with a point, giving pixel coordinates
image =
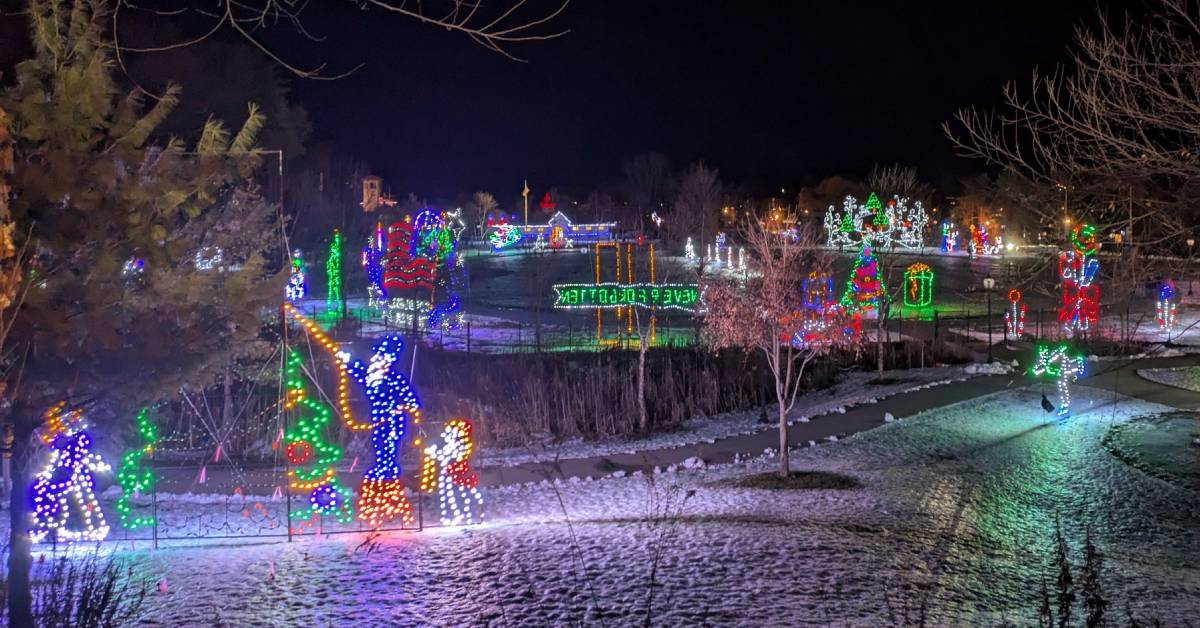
(1065, 365)
(447, 469)
(68, 479)
(1077, 267)
(381, 494)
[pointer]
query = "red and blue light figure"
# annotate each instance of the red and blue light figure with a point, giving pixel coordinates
(1077, 267)
(1166, 306)
(949, 237)
(1014, 318)
(68, 479)
(381, 495)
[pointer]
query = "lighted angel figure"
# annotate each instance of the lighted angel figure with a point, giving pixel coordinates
(447, 469)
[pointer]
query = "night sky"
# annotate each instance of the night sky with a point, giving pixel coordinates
(774, 94)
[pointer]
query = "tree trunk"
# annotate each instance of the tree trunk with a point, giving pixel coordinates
(879, 337)
(227, 398)
(784, 466)
(643, 418)
(20, 598)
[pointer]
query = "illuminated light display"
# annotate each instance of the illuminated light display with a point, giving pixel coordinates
(1062, 363)
(133, 477)
(1166, 306)
(134, 267)
(381, 495)
(209, 258)
(333, 273)
(818, 291)
(372, 261)
(343, 392)
(1077, 267)
(982, 243)
(405, 313)
(816, 328)
(899, 222)
(864, 288)
(619, 295)
(447, 469)
(918, 285)
(436, 239)
(689, 250)
(404, 275)
(1014, 318)
(312, 458)
(297, 286)
(431, 239)
(504, 235)
(67, 479)
(656, 219)
(559, 229)
(949, 237)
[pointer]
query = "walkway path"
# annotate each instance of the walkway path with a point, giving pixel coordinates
(1119, 376)
(856, 419)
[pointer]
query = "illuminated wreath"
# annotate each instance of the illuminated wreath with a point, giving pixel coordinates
(1083, 238)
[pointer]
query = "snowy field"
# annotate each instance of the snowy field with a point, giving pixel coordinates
(956, 512)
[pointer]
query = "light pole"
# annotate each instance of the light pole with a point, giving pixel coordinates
(1190, 242)
(988, 285)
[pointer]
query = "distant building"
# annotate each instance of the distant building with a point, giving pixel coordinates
(373, 196)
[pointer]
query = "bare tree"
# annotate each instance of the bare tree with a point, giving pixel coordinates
(1116, 131)
(765, 313)
(483, 204)
(697, 205)
(497, 27)
(890, 181)
(647, 182)
(897, 180)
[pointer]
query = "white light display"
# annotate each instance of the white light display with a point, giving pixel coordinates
(1061, 363)
(899, 222)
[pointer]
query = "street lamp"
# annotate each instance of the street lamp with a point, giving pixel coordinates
(1190, 242)
(988, 285)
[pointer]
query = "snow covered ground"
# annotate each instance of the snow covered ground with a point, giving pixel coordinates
(853, 390)
(1187, 377)
(956, 513)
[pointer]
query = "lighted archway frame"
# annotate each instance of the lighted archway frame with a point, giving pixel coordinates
(343, 394)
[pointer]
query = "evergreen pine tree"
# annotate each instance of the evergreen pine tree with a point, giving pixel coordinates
(93, 187)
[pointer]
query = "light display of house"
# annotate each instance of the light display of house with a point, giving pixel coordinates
(559, 232)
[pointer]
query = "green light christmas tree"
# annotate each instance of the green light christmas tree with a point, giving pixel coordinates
(333, 273)
(134, 478)
(312, 457)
